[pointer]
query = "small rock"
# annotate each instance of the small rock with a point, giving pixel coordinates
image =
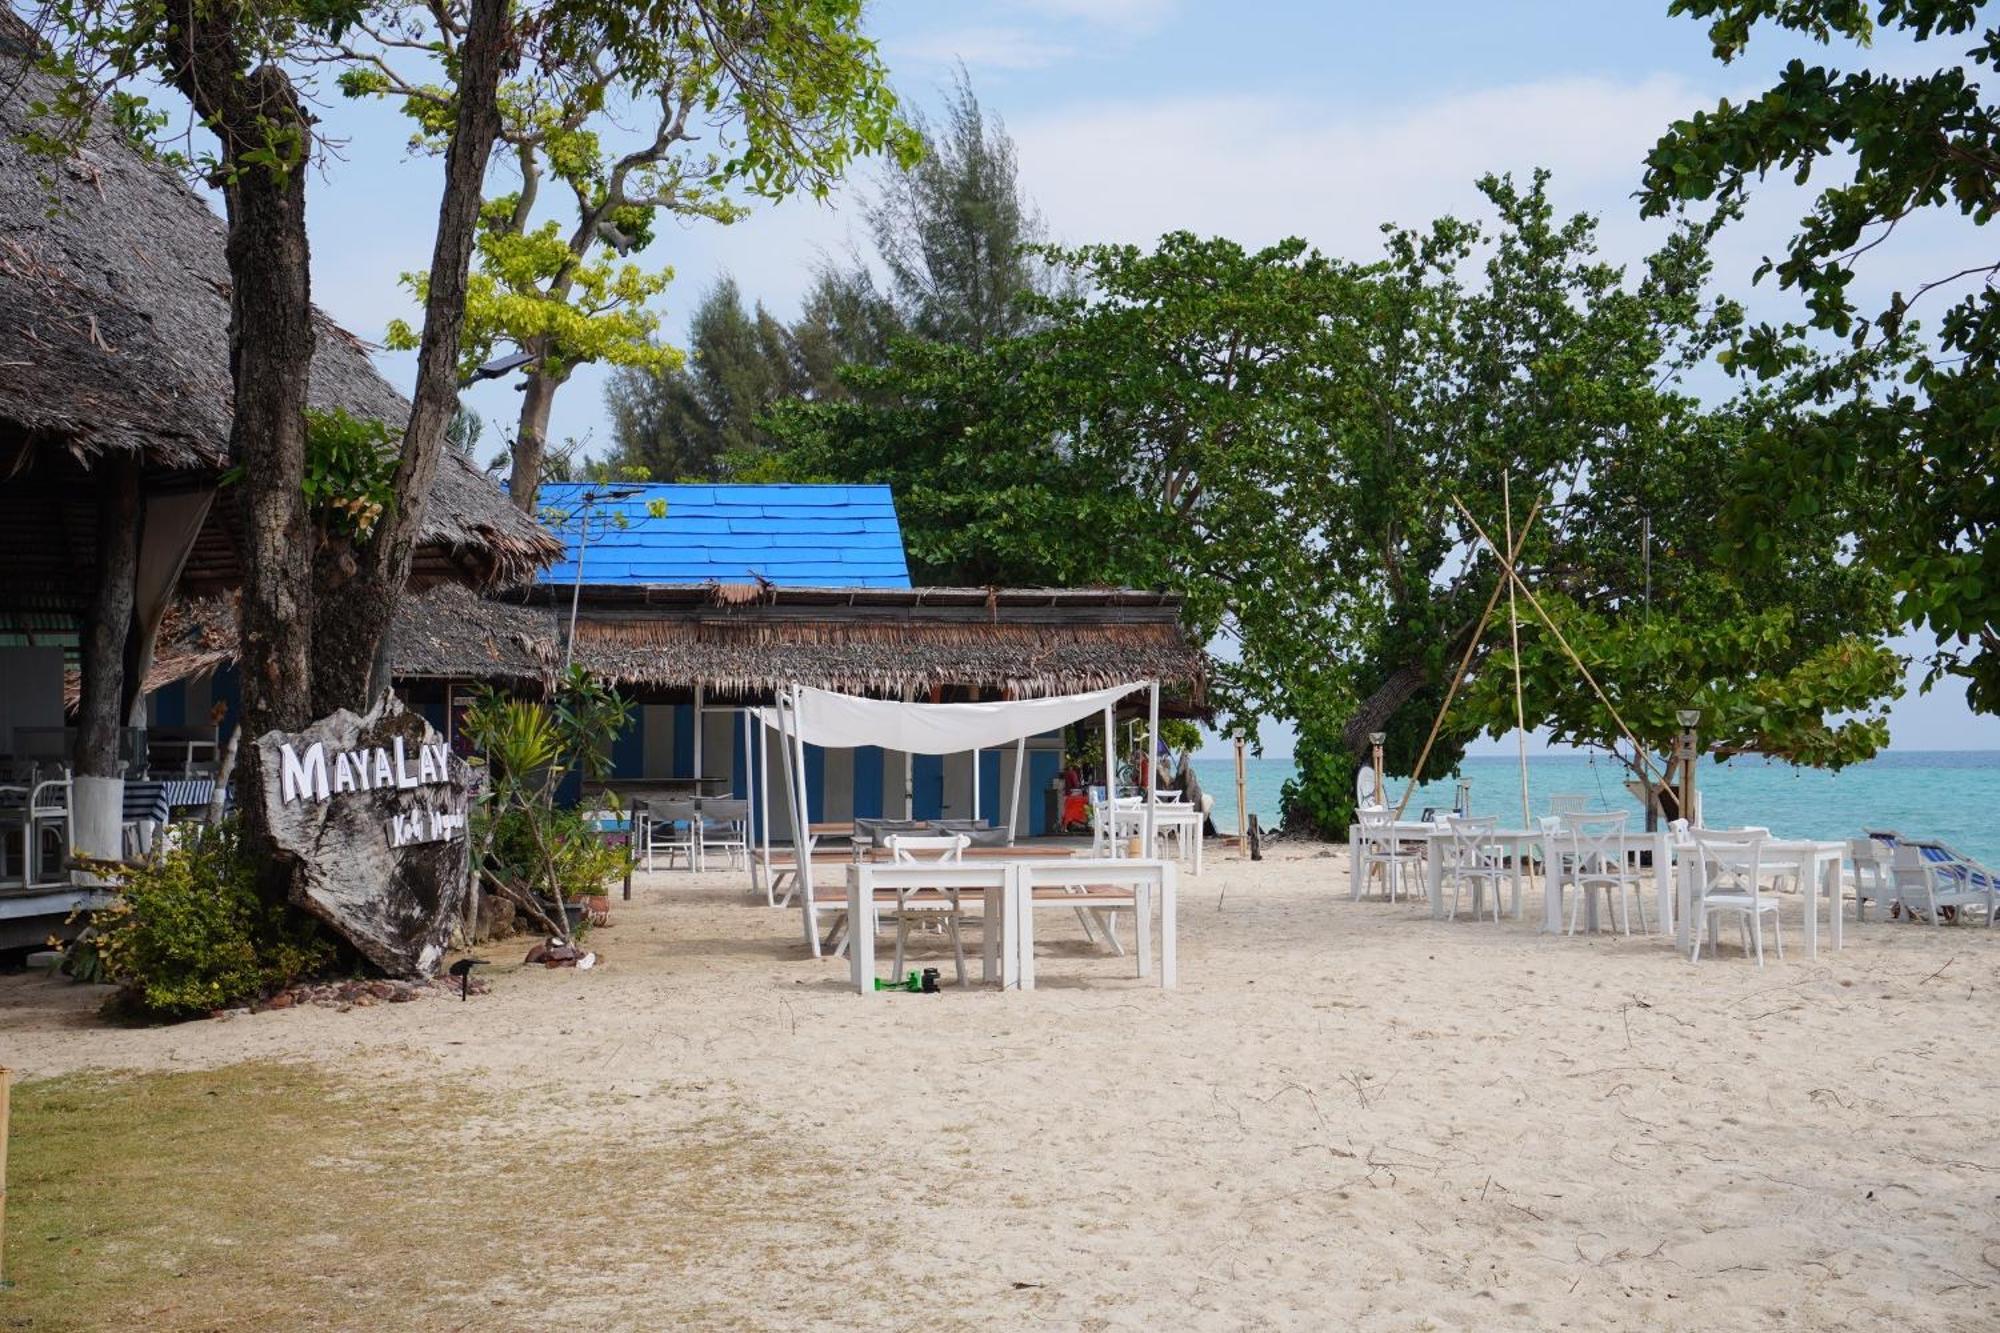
(403, 995)
(382, 990)
(282, 1000)
(536, 955)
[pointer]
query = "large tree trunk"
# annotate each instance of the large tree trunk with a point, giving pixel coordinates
(97, 805)
(531, 440)
(255, 112)
(359, 591)
(100, 715)
(1402, 685)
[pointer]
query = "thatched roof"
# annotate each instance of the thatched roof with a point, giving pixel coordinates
(114, 331)
(742, 643)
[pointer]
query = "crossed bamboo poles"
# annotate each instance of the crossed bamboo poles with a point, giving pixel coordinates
(1510, 581)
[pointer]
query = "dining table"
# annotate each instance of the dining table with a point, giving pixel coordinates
(1815, 863)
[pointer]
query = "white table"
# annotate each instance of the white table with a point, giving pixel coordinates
(1145, 882)
(1404, 830)
(1817, 864)
(1010, 896)
(993, 880)
(1187, 819)
(1520, 845)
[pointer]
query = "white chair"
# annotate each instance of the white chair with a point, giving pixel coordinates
(1874, 877)
(939, 902)
(671, 829)
(1568, 804)
(1380, 849)
(1475, 859)
(1933, 878)
(724, 826)
(48, 813)
(1602, 861)
(1730, 865)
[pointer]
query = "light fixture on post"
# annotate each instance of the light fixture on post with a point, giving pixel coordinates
(1375, 740)
(1689, 718)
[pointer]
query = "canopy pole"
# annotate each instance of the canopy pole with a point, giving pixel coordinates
(1014, 805)
(787, 725)
(975, 785)
(1152, 769)
(1110, 784)
(1471, 646)
(802, 831)
(760, 783)
(1514, 630)
(697, 741)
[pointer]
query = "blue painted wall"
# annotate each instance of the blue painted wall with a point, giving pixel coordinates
(868, 782)
(927, 774)
(628, 749)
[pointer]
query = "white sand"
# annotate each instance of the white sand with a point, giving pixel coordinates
(1347, 1116)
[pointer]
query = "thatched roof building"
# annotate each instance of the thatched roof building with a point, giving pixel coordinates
(741, 642)
(114, 336)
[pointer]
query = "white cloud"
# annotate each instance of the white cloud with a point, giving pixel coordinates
(983, 47)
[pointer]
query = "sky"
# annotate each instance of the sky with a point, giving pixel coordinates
(1257, 119)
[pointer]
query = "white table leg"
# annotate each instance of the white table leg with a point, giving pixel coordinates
(1012, 910)
(1353, 863)
(860, 929)
(1170, 972)
(1835, 888)
(1142, 925)
(1434, 879)
(1520, 875)
(1809, 886)
(1663, 880)
(1684, 904)
(1026, 935)
(991, 907)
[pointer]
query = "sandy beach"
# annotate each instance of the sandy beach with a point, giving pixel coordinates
(1347, 1116)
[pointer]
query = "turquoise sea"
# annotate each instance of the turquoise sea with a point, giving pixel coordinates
(1948, 794)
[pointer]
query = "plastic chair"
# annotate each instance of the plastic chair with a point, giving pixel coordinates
(1476, 860)
(1938, 878)
(1602, 862)
(1874, 877)
(48, 812)
(908, 850)
(1731, 863)
(1381, 849)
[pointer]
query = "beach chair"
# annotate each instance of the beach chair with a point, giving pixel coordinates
(1931, 877)
(672, 830)
(724, 827)
(1473, 858)
(1601, 861)
(1730, 880)
(1568, 804)
(913, 901)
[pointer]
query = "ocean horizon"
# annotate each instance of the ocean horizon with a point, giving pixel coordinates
(1953, 795)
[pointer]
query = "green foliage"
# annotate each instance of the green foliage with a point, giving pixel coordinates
(530, 746)
(350, 472)
(1906, 455)
(579, 862)
(191, 933)
(769, 99)
(1284, 439)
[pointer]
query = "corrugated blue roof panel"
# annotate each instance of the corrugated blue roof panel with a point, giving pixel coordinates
(794, 536)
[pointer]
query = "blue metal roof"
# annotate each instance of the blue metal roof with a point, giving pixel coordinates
(795, 536)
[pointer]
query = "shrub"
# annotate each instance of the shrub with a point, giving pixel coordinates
(583, 862)
(190, 933)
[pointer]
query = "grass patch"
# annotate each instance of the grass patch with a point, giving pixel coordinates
(271, 1195)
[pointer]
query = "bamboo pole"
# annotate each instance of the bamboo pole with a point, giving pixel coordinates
(1507, 566)
(1514, 631)
(1472, 645)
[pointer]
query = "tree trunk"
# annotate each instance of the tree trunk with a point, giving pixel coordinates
(359, 591)
(1402, 684)
(100, 715)
(254, 112)
(531, 440)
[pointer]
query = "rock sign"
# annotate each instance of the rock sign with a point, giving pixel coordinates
(374, 810)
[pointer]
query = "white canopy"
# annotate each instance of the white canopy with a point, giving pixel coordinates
(844, 721)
